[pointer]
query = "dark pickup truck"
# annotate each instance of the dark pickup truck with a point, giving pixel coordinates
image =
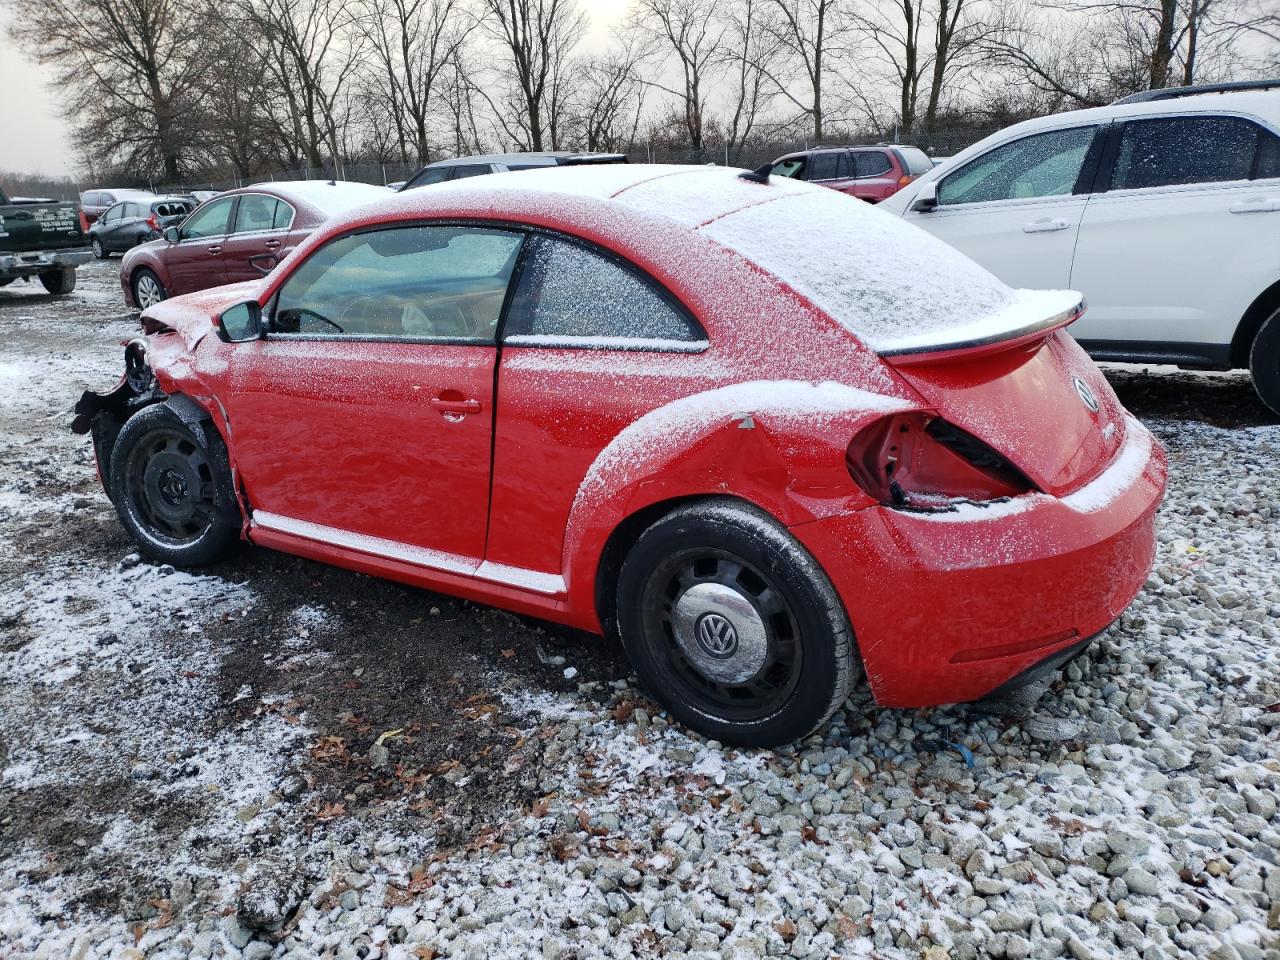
(41, 238)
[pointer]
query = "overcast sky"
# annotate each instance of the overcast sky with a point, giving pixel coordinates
(35, 138)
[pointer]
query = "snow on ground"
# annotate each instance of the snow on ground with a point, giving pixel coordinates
(270, 759)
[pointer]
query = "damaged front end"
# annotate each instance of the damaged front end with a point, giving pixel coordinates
(103, 414)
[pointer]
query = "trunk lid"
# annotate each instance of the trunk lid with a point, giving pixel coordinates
(1033, 400)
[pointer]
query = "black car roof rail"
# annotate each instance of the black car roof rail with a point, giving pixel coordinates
(1174, 93)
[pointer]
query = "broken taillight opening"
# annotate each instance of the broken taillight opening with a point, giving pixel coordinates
(153, 223)
(918, 461)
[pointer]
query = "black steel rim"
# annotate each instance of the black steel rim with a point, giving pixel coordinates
(773, 684)
(170, 487)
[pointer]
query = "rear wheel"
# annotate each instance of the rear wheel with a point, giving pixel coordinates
(172, 491)
(99, 251)
(733, 627)
(1264, 362)
(59, 282)
(147, 289)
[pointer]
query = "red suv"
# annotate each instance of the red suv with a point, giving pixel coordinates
(868, 173)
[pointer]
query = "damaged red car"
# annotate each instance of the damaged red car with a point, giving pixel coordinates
(668, 404)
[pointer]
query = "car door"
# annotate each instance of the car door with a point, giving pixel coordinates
(1182, 233)
(131, 225)
(1016, 209)
(257, 237)
(195, 261)
(108, 227)
(365, 416)
(590, 345)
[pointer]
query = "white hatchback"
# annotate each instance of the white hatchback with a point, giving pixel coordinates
(1163, 209)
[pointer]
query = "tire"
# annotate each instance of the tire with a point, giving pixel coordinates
(147, 289)
(1264, 362)
(59, 282)
(172, 491)
(785, 661)
(99, 251)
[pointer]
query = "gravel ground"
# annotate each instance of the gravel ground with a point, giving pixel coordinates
(272, 758)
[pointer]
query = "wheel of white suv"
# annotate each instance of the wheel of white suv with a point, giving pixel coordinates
(1264, 362)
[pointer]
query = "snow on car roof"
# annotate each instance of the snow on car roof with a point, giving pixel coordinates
(892, 285)
(329, 196)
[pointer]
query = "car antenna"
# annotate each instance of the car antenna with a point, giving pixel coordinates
(759, 175)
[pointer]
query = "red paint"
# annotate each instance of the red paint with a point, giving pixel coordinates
(393, 441)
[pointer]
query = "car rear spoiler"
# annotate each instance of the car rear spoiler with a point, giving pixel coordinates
(976, 340)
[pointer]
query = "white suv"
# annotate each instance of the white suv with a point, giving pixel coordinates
(1163, 209)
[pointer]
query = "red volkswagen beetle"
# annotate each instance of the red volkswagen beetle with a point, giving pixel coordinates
(664, 402)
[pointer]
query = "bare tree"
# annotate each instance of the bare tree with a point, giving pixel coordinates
(812, 33)
(310, 50)
(461, 98)
(611, 94)
(536, 38)
(690, 33)
(750, 53)
(412, 43)
(131, 70)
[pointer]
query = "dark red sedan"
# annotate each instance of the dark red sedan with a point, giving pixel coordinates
(770, 437)
(238, 235)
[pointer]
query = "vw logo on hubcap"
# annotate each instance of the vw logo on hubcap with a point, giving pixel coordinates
(1086, 395)
(716, 635)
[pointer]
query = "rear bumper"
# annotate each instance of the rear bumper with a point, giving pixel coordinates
(38, 261)
(950, 607)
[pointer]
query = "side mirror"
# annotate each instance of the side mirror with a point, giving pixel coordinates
(926, 200)
(241, 322)
(171, 234)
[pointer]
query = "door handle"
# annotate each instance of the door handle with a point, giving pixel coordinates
(215, 249)
(272, 244)
(1265, 205)
(455, 406)
(1047, 225)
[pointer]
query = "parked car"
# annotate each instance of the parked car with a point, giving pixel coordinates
(868, 173)
(94, 203)
(1164, 212)
(132, 222)
(462, 167)
(739, 423)
(202, 196)
(239, 235)
(40, 238)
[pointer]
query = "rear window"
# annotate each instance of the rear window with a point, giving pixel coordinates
(172, 208)
(826, 166)
(918, 161)
(1176, 150)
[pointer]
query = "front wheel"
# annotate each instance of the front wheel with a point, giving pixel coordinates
(147, 289)
(1264, 362)
(59, 282)
(733, 626)
(173, 489)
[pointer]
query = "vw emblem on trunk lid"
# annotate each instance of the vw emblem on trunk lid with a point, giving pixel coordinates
(1086, 395)
(716, 635)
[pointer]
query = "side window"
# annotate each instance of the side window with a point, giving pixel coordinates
(918, 161)
(567, 292)
(872, 163)
(114, 214)
(471, 170)
(1173, 150)
(430, 282)
(790, 167)
(824, 166)
(132, 210)
(1041, 165)
(209, 221)
(256, 212)
(284, 216)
